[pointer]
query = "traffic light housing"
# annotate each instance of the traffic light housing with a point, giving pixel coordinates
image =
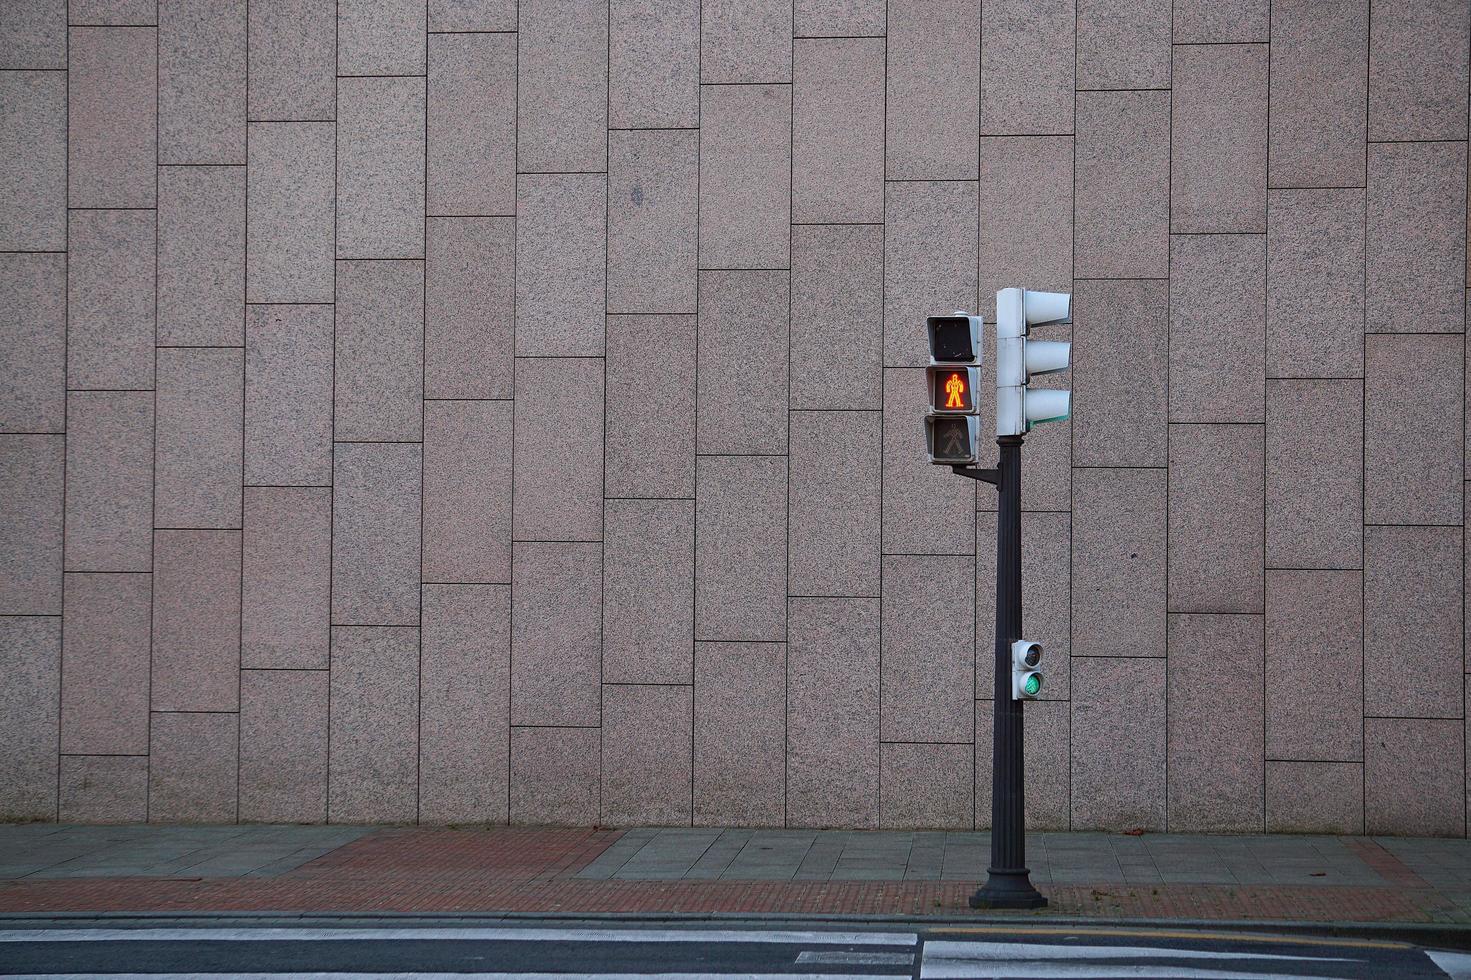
(1019, 358)
(952, 423)
(1026, 678)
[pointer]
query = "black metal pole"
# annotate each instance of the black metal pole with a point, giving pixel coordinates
(1008, 882)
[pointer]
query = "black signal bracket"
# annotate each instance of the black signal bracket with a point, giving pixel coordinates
(991, 476)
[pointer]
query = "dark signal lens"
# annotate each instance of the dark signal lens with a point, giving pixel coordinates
(952, 339)
(952, 439)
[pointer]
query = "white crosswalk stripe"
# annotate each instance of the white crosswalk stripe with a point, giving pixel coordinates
(984, 960)
(508, 934)
(1457, 966)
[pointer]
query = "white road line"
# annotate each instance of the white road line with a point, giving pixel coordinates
(855, 959)
(1036, 951)
(1023, 960)
(1457, 966)
(1053, 970)
(453, 976)
(466, 935)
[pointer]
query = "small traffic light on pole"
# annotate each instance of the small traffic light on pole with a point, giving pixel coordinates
(1019, 358)
(1026, 679)
(952, 421)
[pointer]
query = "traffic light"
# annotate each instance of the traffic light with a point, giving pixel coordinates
(1026, 679)
(952, 425)
(1018, 359)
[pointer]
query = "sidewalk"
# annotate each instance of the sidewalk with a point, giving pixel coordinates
(51, 868)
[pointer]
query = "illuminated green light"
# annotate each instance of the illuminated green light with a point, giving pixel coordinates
(1032, 685)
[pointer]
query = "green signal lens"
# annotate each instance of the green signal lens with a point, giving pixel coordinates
(1032, 685)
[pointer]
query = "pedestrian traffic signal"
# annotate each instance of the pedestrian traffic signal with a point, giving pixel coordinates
(1018, 359)
(953, 439)
(1026, 679)
(953, 389)
(952, 430)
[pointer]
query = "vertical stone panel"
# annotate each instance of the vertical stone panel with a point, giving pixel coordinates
(380, 168)
(464, 724)
(104, 665)
(561, 264)
(201, 82)
(376, 508)
(933, 117)
(292, 59)
(837, 305)
(832, 713)
(646, 756)
(741, 543)
(467, 491)
(288, 395)
(1120, 375)
(192, 767)
(1046, 592)
(654, 64)
(554, 776)
(32, 470)
(1118, 746)
(926, 510)
(283, 746)
(1118, 563)
(111, 286)
(109, 481)
(648, 598)
(1121, 214)
(374, 734)
(290, 224)
(1415, 237)
(1315, 666)
(1414, 777)
(927, 785)
(556, 619)
(196, 621)
(34, 35)
(286, 596)
(378, 388)
(740, 734)
(838, 130)
(745, 41)
(1028, 51)
(650, 429)
(1315, 283)
(1026, 204)
(469, 308)
(1417, 71)
(1124, 44)
(381, 37)
(745, 188)
(197, 472)
(931, 250)
(1221, 21)
(558, 443)
(1413, 420)
(1217, 327)
(1315, 474)
(1319, 90)
(929, 652)
(1412, 622)
(112, 107)
(562, 86)
(33, 374)
(835, 511)
(472, 124)
(104, 789)
(653, 180)
(743, 362)
(201, 255)
(30, 661)
(1046, 757)
(1216, 518)
(1218, 157)
(1315, 797)
(33, 156)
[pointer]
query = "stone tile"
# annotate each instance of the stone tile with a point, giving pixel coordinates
(1413, 446)
(104, 667)
(283, 746)
(650, 429)
(1121, 211)
(558, 441)
(381, 37)
(112, 103)
(646, 755)
(926, 509)
(109, 481)
(930, 263)
(1217, 335)
(288, 395)
(1315, 666)
(1315, 283)
(201, 256)
(838, 18)
(554, 776)
(838, 130)
(469, 311)
(1315, 474)
(292, 59)
(1414, 777)
(746, 41)
(111, 290)
(32, 471)
(198, 443)
(741, 544)
(1045, 758)
(1215, 694)
(472, 124)
(933, 117)
(562, 86)
(201, 82)
(33, 376)
(1315, 798)
(380, 167)
(743, 362)
(290, 222)
(740, 734)
(556, 623)
(464, 722)
(832, 711)
(1046, 590)
(1118, 601)
(834, 514)
(30, 658)
(472, 15)
(196, 621)
(378, 390)
(1123, 44)
(376, 491)
(1319, 78)
(1218, 157)
(104, 789)
(1416, 276)
(561, 264)
(648, 601)
(33, 159)
(192, 767)
(1026, 68)
(374, 733)
(653, 178)
(1216, 518)
(1417, 71)
(1412, 622)
(927, 785)
(1026, 196)
(34, 35)
(745, 193)
(287, 587)
(1118, 743)
(113, 12)
(1221, 21)
(1119, 376)
(837, 304)
(654, 63)
(467, 491)
(929, 652)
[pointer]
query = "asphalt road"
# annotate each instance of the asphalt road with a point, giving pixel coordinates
(629, 951)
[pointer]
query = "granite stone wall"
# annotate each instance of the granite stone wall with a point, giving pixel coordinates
(470, 412)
